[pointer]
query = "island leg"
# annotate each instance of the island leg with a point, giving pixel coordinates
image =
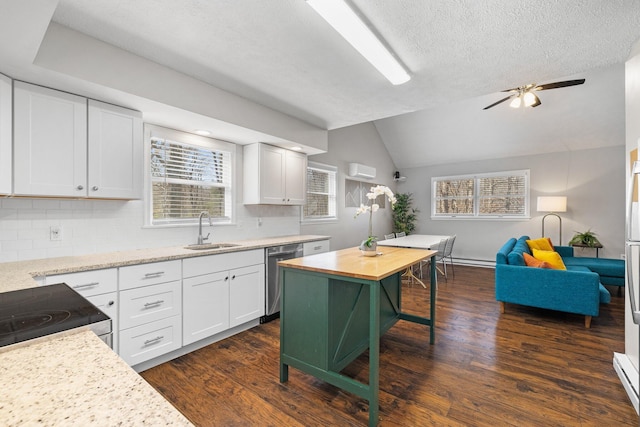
(374, 352)
(432, 304)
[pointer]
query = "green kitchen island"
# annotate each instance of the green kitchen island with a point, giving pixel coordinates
(335, 305)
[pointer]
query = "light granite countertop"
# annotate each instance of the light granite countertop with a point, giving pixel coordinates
(75, 379)
(21, 274)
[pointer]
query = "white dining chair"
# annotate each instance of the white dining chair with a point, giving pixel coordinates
(448, 254)
(389, 236)
(401, 234)
(438, 257)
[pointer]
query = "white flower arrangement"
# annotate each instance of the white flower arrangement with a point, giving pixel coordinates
(376, 191)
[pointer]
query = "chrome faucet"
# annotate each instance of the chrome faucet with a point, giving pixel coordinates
(200, 238)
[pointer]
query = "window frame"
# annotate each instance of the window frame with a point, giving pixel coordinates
(476, 215)
(330, 170)
(154, 131)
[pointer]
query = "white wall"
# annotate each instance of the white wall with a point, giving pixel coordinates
(94, 226)
(360, 144)
(592, 180)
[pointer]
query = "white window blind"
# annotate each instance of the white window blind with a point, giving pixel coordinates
(489, 195)
(321, 193)
(187, 179)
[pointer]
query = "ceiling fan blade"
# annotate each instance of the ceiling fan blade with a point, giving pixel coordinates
(496, 103)
(538, 102)
(557, 85)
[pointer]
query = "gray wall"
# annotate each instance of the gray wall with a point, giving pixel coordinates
(592, 180)
(360, 144)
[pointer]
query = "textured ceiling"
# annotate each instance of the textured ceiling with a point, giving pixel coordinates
(460, 53)
(283, 55)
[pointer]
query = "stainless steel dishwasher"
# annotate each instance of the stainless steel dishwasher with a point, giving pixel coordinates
(272, 282)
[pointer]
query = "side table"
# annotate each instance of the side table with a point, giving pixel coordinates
(597, 247)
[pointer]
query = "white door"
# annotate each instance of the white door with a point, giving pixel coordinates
(205, 306)
(5, 134)
(296, 178)
(246, 295)
(50, 142)
(115, 152)
(272, 182)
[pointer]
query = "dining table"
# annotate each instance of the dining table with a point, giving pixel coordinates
(415, 241)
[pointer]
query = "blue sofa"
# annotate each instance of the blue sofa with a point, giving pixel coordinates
(577, 290)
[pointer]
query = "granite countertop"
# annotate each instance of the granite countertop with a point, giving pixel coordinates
(21, 274)
(74, 379)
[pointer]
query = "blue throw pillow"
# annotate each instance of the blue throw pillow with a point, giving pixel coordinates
(515, 256)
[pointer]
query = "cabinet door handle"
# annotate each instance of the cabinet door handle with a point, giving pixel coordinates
(317, 248)
(86, 285)
(233, 277)
(153, 304)
(110, 303)
(152, 275)
(80, 187)
(226, 278)
(94, 188)
(154, 340)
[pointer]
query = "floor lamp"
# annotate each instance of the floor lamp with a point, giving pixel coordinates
(552, 204)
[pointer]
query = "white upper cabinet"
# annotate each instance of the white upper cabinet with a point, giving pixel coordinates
(5, 134)
(50, 142)
(273, 175)
(115, 152)
(64, 147)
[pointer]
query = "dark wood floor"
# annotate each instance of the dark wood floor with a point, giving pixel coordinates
(526, 367)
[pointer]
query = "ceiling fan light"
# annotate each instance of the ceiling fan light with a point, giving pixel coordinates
(516, 102)
(529, 99)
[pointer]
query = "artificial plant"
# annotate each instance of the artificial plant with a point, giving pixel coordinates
(404, 215)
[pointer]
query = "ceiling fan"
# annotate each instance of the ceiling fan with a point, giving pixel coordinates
(525, 95)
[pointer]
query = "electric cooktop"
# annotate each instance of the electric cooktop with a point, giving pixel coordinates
(35, 312)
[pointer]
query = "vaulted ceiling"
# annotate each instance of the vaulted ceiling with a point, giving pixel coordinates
(460, 54)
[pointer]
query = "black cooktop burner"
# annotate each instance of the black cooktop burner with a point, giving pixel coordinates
(35, 312)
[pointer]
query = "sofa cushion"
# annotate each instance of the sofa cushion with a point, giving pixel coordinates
(515, 256)
(551, 257)
(543, 244)
(602, 266)
(501, 256)
(533, 262)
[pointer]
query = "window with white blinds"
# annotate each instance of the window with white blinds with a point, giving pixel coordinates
(189, 176)
(320, 202)
(488, 195)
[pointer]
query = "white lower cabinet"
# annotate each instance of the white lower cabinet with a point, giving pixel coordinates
(220, 292)
(317, 247)
(150, 340)
(150, 310)
(206, 303)
(246, 294)
(100, 287)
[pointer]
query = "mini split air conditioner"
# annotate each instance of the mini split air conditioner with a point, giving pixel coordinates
(361, 171)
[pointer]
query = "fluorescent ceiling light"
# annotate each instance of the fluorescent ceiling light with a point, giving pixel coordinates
(345, 21)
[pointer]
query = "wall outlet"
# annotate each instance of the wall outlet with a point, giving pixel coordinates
(259, 222)
(55, 232)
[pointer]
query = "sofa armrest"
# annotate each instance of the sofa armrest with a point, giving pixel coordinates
(562, 290)
(564, 251)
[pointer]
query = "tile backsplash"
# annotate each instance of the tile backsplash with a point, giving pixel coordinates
(94, 226)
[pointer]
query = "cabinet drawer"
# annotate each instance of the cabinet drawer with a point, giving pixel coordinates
(149, 303)
(149, 274)
(198, 266)
(88, 283)
(312, 248)
(108, 304)
(154, 339)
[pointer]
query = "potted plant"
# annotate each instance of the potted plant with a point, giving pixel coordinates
(404, 215)
(369, 245)
(587, 238)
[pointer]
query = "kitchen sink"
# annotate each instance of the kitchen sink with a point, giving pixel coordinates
(206, 246)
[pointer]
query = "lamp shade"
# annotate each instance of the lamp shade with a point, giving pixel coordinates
(552, 204)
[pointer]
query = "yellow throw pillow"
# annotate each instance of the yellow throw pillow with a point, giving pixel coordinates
(553, 258)
(544, 244)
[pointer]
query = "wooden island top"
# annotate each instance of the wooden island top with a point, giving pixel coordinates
(351, 263)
